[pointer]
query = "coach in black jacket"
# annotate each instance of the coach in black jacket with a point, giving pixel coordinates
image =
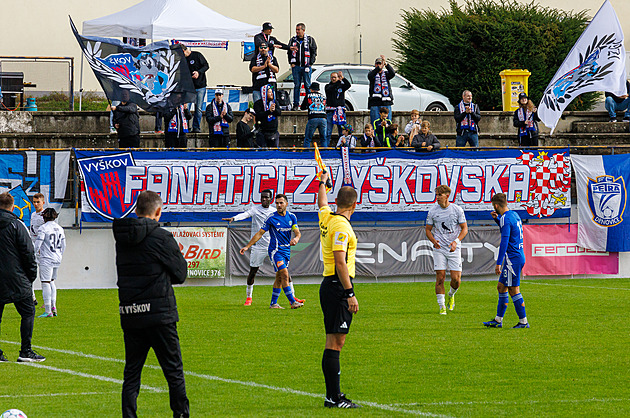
(148, 261)
(18, 271)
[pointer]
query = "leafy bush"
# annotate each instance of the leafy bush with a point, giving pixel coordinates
(466, 48)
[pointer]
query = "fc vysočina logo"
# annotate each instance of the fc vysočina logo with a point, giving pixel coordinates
(607, 199)
(104, 178)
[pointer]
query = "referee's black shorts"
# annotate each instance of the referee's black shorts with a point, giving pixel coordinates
(337, 317)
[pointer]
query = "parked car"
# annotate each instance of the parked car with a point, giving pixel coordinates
(406, 95)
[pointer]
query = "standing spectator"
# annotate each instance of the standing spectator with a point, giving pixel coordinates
(526, 120)
(347, 139)
(413, 126)
(618, 103)
(315, 103)
(198, 66)
(467, 117)
(244, 134)
(302, 54)
(18, 271)
(271, 41)
(176, 120)
(267, 112)
(110, 107)
(381, 94)
(127, 122)
(158, 122)
(425, 140)
(381, 124)
(219, 116)
(148, 262)
(336, 103)
(369, 140)
(264, 67)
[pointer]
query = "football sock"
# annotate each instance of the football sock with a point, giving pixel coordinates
(292, 287)
(452, 291)
(519, 305)
(440, 300)
(332, 370)
(502, 306)
(250, 290)
(289, 293)
(46, 296)
(275, 295)
(53, 294)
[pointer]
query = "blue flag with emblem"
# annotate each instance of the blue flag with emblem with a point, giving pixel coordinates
(22, 207)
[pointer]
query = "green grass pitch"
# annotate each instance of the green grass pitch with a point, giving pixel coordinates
(400, 358)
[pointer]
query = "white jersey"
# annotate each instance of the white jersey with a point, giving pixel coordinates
(446, 223)
(37, 220)
(259, 215)
(50, 244)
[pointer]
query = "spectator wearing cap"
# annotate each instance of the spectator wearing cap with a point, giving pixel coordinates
(467, 116)
(264, 67)
(244, 134)
(198, 66)
(616, 104)
(347, 139)
(526, 120)
(219, 115)
(265, 36)
(315, 103)
(302, 54)
(381, 94)
(336, 103)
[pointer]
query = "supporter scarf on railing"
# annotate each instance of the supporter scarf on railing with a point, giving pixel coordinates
(524, 115)
(218, 127)
(382, 87)
(468, 122)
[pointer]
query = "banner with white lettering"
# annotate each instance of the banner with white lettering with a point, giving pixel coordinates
(391, 185)
(552, 250)
(204, 249)
(381, 252)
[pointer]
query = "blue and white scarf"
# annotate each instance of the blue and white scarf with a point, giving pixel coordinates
(382, 87)
(524, 115)
(174, 126)
(218, 127)
(266, 102)
(468, 122)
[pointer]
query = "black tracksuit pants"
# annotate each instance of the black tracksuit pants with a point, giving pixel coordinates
(26, 309)
(165, 343)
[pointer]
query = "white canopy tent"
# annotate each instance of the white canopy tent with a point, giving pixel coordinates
(170, 19)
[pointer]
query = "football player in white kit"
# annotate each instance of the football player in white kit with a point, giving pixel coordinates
(446, 227)
(259, 251)
(49, 248)
(36, 222)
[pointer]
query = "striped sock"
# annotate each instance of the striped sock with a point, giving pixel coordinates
(519, 305)
(275, 295)
(502, 306)
(289, 293)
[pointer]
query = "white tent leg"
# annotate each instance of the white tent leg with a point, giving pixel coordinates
(81, 83)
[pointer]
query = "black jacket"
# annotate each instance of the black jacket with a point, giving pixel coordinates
(428, 139)
(148, 261)
(460, 116)
(126, 116)
(211, 119)
(377, 101)
(197, 62)
(268, 126)
(335, 93)
(365, 141)
(270, 40)
(18, 268)
(315, 103)
(171, 113)
(244, 135)
(521, 124)
(299, 58)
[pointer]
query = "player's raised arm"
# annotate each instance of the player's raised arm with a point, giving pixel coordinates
(253, 241)
(322, 198)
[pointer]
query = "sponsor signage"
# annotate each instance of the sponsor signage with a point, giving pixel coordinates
(204, 249)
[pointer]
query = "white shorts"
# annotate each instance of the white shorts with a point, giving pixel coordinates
(47, 272)
(446, 260)
(257, 257)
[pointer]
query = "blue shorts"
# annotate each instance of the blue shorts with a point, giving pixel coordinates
(280, 260)
(511, 273)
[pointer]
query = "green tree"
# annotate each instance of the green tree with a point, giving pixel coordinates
(466, 48)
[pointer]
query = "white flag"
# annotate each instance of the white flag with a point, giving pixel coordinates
(597, 62)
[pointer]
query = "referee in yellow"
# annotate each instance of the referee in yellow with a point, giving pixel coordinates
(336, 294)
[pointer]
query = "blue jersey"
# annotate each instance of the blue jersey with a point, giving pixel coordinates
(511, 238)
(280, 229)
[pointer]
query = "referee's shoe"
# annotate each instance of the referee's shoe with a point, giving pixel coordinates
(342, 402)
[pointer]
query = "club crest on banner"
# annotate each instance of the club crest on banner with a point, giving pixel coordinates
(22, 207)
(550, 182)
(104, 181)
(607, 199)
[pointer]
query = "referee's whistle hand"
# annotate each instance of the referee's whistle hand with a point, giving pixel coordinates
(353, 305)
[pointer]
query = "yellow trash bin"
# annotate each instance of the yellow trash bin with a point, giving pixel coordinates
(513, 82)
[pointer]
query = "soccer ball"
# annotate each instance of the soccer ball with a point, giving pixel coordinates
(13, 413)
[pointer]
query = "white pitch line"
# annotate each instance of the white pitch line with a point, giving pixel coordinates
(41, 395)
(238, 382)
(574, 285)
(91, 376)
(531, 402)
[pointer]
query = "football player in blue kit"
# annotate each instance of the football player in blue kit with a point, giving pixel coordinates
(280, 225)
(510, 262)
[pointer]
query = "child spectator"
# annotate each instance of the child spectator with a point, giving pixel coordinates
(380, 125)
(347, 139)
(413, 126)
(425, 140)
(369, 140)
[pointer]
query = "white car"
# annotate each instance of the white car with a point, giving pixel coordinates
(406, 96)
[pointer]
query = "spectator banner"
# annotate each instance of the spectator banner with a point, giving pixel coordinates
(603, 213)
(552, 250)
(392, 185)
(153, 77)
(25, 173)
(381, 253)
(204, 250)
